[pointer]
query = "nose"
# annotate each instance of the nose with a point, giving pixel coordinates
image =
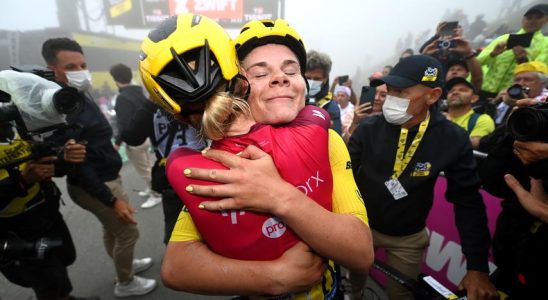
(279, 79)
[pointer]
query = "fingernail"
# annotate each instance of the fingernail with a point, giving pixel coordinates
(189, 188)
(204, 151)
(187, 172)
(201, 206)
(239, 153)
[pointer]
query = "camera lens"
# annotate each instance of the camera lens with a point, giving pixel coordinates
(515, 91)
(529, 124)
(68, 101)
(445, 44)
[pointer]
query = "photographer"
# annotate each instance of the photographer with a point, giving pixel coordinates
(35, 243)
(529, 83)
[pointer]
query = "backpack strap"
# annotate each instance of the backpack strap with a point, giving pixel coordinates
(472, 121)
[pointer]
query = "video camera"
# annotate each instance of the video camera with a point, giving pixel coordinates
(36, 106)
(529, 123)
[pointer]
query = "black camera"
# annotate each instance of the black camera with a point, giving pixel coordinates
(529, 123)
(446, 44)
(517, 91)
(16, 248)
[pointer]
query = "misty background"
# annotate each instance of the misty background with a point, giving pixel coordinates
(360, 36)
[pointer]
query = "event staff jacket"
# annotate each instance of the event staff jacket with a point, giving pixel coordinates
(444, 147)
(102, 162)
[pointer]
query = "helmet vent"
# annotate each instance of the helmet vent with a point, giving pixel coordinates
(163, 30)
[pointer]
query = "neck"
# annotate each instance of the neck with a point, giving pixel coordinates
(240, 125)
(455, 112)
(416, 119)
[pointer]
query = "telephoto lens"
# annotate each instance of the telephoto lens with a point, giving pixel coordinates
(529, 123)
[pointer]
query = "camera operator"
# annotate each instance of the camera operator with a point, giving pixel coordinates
(30, 221)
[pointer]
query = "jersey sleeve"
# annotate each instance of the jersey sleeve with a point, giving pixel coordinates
(185, 230)
(346, 195)
(312, 115)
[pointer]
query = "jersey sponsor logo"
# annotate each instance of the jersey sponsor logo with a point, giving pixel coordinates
(348, 165)
(311, 184)
(318, 113)
(273, 228)
(233, 215)
(421, 169)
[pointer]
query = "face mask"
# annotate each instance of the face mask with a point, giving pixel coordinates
(394, 110)
(314, 87)
(81, 80)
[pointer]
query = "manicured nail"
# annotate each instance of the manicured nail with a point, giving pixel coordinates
(187, 172)
(189, 188)
(201, 206)
(239, 153)
(204, 151)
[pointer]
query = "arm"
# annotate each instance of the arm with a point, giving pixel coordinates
(190, 265)
(343, 238)
(471, 219)
(535, 201)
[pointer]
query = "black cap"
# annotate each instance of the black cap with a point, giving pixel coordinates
(458, 80)
(414, 70)
(459, 62)
(539, 8)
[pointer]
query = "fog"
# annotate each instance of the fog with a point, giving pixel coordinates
(359, 35)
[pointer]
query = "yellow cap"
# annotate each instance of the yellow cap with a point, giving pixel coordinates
(532, 66)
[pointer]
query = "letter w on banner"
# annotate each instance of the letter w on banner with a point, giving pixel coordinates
(215, 9)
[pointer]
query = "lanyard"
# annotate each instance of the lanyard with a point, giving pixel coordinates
(403, 159)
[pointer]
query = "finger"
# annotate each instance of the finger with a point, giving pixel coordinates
(252, 152)
(512, 183)
(536, 187)
(213, 191)
(227, 159)
(220, 205)
(214, 175)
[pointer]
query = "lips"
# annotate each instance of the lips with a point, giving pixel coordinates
(282, 97)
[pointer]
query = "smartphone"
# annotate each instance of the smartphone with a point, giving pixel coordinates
(523, 40)
(449, 29)
(368, 94)
(343, 79)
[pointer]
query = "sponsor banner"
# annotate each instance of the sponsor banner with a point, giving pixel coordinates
(444, 259)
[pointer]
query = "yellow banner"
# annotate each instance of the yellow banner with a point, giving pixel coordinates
(108, 43)
(120, 8)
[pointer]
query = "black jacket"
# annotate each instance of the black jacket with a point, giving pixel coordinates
(128, 101)
(103, 163)
(445, 147)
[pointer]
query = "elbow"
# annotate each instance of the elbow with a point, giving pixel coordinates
(171, 278)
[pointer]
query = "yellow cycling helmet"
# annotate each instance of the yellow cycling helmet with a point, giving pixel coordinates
(261, 32)
(185, 59)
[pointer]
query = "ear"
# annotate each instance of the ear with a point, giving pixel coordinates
(474, 99)
(434, 95)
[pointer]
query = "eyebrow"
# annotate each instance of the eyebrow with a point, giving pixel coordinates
(264, 64)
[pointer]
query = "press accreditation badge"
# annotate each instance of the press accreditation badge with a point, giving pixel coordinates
(395, 188)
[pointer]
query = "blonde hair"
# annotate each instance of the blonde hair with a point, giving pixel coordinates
(220, 111)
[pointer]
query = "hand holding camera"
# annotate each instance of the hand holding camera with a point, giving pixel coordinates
(39, 170)
(499, 48)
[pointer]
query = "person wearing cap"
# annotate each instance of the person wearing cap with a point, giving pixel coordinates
(461, 95)
(265, 48)
(501, 61)
(342, 97)
(412, 143)
(531, 76)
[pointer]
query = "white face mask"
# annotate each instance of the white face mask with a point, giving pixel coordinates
(81, 80)
(394, 110)
(314, 87)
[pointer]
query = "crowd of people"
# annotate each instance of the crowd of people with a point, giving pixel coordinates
(272, 177)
